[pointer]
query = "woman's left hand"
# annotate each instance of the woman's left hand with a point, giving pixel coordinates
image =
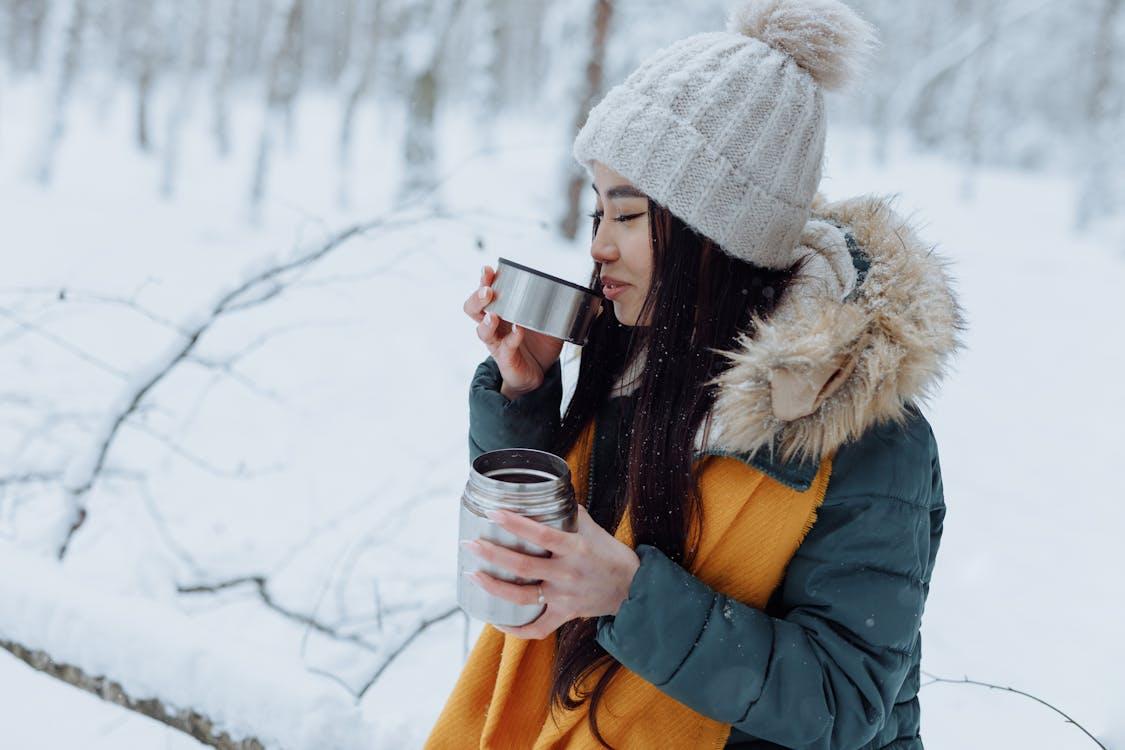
(587, 575)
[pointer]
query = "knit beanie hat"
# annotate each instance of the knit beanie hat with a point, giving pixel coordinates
(726, 129)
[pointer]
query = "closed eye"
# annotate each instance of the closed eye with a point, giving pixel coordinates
(598, 216)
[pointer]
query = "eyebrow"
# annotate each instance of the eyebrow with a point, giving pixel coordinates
(621, 191)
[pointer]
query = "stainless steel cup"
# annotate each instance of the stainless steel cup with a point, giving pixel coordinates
(544, 303)
(532, 483)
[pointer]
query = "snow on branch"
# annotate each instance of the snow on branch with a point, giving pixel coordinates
(220, 688)
(190, 722)
(262, 586)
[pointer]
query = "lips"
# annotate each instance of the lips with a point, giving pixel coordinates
(613, 289)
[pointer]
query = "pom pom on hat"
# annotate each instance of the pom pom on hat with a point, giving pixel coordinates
(825, 37)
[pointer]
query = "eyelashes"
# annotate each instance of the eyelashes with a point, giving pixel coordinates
(597, 216)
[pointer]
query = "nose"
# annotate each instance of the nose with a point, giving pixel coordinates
(602, 249)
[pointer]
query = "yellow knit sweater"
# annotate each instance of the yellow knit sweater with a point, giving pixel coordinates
(752, 525)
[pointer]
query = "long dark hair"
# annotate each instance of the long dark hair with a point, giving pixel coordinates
(699, 299)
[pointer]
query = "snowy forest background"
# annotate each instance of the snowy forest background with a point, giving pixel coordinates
(237, 235)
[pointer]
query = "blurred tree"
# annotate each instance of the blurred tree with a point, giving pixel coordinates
(357, 81)
(1023, 83)
(227, 29)
(189, 56)
(26, 21)
(1099, 195)
(433, 22)
(64, 79)
(286, 70)
(595, 78)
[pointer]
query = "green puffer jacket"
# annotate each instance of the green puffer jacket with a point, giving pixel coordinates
(832, 662)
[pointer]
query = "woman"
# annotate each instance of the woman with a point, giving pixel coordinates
(760, 497)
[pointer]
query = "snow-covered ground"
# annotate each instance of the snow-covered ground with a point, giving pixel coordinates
(331, 456)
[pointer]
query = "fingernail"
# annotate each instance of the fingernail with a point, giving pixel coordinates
(483, 293)
(482, 270)
(488, 319)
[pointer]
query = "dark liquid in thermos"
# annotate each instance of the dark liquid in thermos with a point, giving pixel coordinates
(516, 477)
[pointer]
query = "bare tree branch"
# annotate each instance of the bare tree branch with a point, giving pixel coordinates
(260, 584)
(31, 477)
(239, 472)
(97, 362)
(425, 623)
(179, 550)
(256, 289)
(966, 680)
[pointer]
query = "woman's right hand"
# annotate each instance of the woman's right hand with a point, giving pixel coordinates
(523, 356)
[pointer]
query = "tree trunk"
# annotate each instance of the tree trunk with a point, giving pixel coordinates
(68, 70)
(284, 80)
(1098, 196)
(419, 148)
(595, 74)
(198, 726)
(25, 34)
(192, 56)
(357, 85)
(220, 90)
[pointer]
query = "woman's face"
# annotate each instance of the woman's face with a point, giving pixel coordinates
(622, 242)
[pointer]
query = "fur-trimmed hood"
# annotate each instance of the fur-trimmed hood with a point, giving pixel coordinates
(847, 347)
(870, 325)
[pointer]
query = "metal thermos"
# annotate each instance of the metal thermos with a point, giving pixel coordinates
(531, 483)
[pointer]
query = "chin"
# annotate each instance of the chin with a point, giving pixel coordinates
(624, 317)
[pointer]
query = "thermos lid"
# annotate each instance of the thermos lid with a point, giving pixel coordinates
(544, 303)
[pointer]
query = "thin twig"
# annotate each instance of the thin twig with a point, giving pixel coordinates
(260, 584)
(966, 680)
(256, 289)
(402, 647)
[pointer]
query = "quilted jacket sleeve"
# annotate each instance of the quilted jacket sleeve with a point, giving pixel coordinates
(495, 422)
(824, 673)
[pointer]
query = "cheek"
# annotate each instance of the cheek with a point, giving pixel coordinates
(640, 256)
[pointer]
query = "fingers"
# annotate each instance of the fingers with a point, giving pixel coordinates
(502, 338)
(478, 300)
(514, 339)
(559, 542)
(517, 593)
(526, 566)
(488, 331)
(485, 293)
(542, 626)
